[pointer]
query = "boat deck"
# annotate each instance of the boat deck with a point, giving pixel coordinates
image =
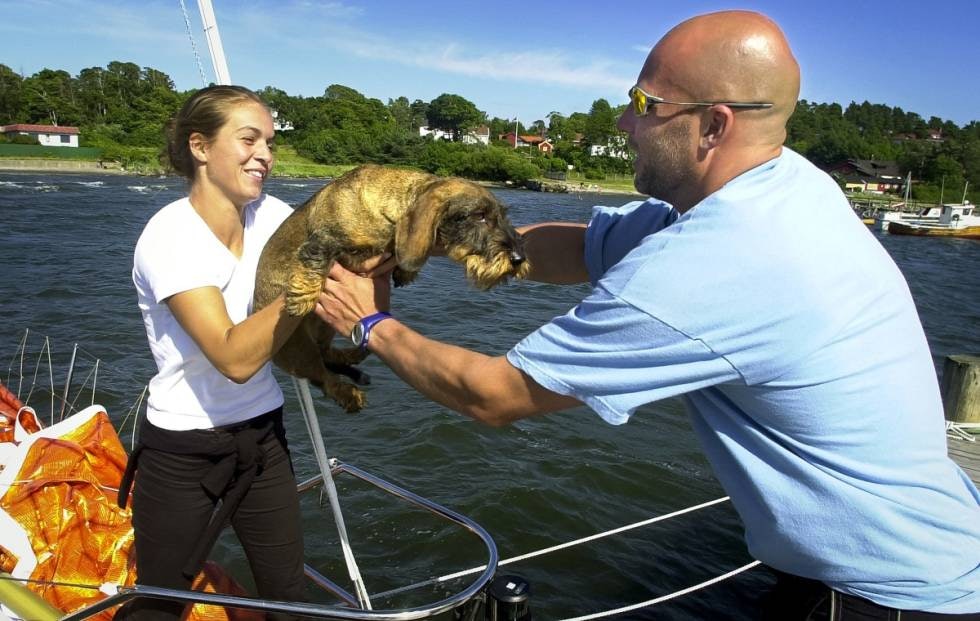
(967, 455)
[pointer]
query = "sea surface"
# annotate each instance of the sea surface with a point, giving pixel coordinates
(66, 244)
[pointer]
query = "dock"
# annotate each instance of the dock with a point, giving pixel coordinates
(966, 454)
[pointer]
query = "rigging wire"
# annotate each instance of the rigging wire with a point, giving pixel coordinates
(197, 57)
(664, 598)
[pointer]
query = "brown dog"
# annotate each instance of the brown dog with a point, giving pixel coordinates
(368, 211)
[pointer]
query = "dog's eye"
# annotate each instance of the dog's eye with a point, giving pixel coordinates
(479, 216)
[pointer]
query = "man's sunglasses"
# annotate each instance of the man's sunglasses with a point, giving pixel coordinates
(642, 102)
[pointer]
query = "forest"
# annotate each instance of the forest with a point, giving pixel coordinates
(121, 109)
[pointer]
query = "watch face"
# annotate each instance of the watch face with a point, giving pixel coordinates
(357, 334)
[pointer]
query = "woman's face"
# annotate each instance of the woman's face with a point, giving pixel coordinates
(239, 158)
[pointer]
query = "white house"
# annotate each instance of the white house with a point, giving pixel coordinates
(280, 125)
(47, 135)
(437, 134)
(481, 135)
(616, 147)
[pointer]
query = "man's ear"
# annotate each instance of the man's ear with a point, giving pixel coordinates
(198, 146)
(715, 126)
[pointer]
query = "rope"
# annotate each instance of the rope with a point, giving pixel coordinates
(187, 23)
(664, 598)
(555, 548)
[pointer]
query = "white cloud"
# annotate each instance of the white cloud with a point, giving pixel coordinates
(540, 66)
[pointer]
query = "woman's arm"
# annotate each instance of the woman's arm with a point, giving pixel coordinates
(237, 351)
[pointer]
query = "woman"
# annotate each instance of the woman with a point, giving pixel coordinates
(213, 427)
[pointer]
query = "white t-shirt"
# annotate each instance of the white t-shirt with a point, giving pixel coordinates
(178, 252)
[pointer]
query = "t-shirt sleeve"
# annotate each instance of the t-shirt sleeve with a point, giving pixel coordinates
(614, 231)
(614, 358)
(168, 260)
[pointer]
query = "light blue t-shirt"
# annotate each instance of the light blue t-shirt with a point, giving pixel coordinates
(796, 344)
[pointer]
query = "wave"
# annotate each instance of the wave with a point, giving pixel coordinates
(37, 186)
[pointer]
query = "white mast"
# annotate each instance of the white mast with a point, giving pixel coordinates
(214, 42)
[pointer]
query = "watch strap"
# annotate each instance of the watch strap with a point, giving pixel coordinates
(369, 322)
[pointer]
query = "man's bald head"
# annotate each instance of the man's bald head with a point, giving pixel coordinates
(729, 56)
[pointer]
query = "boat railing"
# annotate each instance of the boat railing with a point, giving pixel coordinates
(31, 376)
(351, 605)
(349, 608)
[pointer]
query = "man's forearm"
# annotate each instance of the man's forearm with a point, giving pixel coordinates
(486, 388)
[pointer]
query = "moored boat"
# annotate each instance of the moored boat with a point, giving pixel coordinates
(883, 219)
(955, 220)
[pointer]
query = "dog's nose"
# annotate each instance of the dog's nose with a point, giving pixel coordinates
(516, 258)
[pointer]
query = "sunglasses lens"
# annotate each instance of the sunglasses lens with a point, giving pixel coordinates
(639, 100)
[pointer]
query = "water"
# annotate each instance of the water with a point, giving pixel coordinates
(65, 257)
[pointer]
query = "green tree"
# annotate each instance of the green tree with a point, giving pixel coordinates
(420, 112)
(454, 114)
(401, 110)
(600, 126)
(50, 98)
(11, 96)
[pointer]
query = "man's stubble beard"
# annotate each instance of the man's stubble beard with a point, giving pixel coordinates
(666, 167)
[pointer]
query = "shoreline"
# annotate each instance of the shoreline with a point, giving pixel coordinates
(60, 166)
(88, 166)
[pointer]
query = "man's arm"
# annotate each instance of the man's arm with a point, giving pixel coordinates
(556, 252)
(486, 388)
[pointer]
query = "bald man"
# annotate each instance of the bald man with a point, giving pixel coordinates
(746, 285)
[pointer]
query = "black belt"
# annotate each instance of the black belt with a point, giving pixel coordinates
(241, 458)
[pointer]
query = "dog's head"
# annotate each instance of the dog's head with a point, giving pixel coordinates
(470, 224)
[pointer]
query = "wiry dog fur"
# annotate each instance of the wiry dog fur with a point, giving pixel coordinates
(368, 211)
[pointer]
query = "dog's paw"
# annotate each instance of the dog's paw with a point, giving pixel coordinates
(302, 294)
(297, 306)
(349, 356)
(351, 398)
(402, 277)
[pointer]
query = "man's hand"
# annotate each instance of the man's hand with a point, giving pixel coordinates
(347, 296)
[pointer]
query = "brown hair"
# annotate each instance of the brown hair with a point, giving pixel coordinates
(204, 113)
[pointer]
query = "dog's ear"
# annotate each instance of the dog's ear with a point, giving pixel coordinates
(416, 231)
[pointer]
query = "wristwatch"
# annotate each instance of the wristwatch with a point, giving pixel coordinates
(362, 329)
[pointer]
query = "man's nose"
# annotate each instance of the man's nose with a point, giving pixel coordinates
(625, 122)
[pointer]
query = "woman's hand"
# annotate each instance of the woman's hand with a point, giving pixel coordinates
(349, 296)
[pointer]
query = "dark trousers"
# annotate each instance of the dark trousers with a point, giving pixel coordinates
(800, 599)
(171, 509)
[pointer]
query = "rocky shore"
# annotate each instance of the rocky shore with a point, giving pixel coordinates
(87, 166)
(46, 165)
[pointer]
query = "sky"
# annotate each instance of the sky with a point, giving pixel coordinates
(512, 59)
